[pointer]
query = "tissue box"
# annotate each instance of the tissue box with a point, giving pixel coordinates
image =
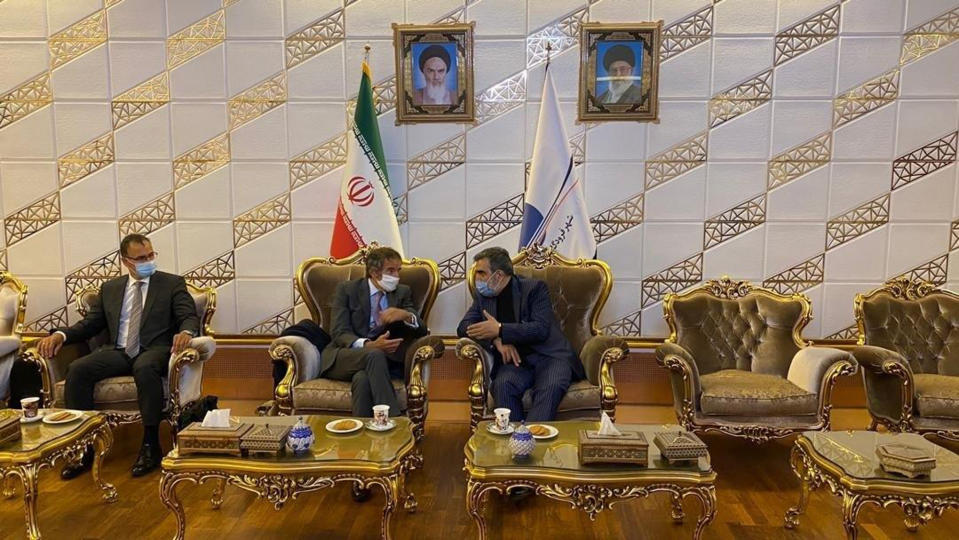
(265, 439)
(9, 426)
(630, 448)
(680, 446)
(196, 439)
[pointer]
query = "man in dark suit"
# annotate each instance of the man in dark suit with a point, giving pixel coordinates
(148, 315)
(374, 320)
(512, 317)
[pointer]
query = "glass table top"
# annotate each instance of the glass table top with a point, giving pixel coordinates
(855, 453)
(361, 445)
(488, 450)
(36, 434)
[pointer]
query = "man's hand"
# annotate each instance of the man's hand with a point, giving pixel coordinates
(180, 341)
(384, 343)
(508, 352)
(487, 329)
(49, 346)
(392, 314)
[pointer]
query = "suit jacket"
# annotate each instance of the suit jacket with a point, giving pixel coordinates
(351, 315)
(633, 94)
(167, 310)
(536, 329)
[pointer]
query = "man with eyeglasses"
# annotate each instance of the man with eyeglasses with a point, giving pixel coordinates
(148, 315)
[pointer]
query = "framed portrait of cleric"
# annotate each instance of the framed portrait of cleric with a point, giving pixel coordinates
(619, 72)
(434, 73)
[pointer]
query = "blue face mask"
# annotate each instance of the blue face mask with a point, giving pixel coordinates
(484, 288)
(146, 269)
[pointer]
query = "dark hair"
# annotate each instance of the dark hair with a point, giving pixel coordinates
(377, 257)
(498, 258)
(437, 51)
(619, 52)
(134, 238)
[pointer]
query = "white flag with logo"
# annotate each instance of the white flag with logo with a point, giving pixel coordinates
(554, 213)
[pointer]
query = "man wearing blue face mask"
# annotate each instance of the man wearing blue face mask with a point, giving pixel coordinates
(148, 315)
(512, 317)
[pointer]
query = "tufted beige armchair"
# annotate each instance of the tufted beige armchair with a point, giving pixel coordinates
(578, 291)
(301, 391)
(738, 364)
(909, 350)
(13, 306)
(118, 395)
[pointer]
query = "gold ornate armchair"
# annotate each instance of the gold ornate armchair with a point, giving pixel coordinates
(118, 395)
(909, 350)
(13, 306)
(578, 291)
(738, 364)
(301, 391)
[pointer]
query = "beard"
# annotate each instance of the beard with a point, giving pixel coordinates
(618, 86)
(435, 92)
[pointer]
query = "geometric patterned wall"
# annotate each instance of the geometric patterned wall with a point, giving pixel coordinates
(809, 145)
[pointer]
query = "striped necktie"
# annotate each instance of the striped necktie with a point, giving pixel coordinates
(133, 324)
(377, 307)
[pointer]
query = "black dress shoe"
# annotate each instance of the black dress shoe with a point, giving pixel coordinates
(360, 494)
(147, 460)
(73, 470)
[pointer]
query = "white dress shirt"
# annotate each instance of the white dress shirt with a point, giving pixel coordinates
(383, 305)
(123, 329)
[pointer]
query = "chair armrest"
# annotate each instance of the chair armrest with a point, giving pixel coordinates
(186, 376)
(884, 372)
(417, 363)
(48, 376)
(482, 360)
(598, 356)
(302, 361)
(684, 378)
(205, 345)
(9, 344)
(814, 369)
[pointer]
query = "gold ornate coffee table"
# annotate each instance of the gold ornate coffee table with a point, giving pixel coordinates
(365, 458)
(555, 472)
(41, 446)
(846, 463)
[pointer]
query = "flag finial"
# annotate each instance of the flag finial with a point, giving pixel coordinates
(366, 52)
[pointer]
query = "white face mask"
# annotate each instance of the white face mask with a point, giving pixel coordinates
(388, 283)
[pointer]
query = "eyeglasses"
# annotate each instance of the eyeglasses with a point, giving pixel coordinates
(143, 258)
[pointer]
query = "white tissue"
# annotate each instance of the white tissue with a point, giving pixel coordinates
(606, 426)
(217, 418)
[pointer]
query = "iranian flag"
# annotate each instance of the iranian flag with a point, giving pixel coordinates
(364, 213)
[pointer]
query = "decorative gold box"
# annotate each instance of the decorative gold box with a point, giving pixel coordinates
(264, 439)
(680, 446)
(905, 460)
(196, 439)
(631, 448)
(9, 426)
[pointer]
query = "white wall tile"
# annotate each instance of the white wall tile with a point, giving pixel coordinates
(257, 182)
(258, 300)
(728, 184)
(928, 199)
(671, 11)
(201, 77)
(39, 254)
(812, 74)
(617, 141)
(442, 198)
(869, 137)
(497, 60)
(267, 256)
(931, 75)
(624, 253)
(545, 13)
(134, 62)
(196, 123)
(610, 183)
(915, 244)
(251, 62)
(738, 59)
(873, 16)
(802, 199)
(922, 122)
(224, 319)
(680, 199)
(137, 19)
(678, 121)
(744, 137)
(311, 124)
(745, 17)
(85, 241)
(261, 138)
(499, 139)
(321, 76)
(311, 240)
(436, 241)
(146, 138)
(301, 13)
(427, 11)
(666, 244)
(788, 244)
(373, 17)
(918, 12)
(93, 197)
(206, 198)
(837, 311)
(22, 62)
(23, 19)
(80, 123)
(740, 257)
(140, 183)
(85, 77)
(795, 122)
(864, 58)
(201, 242)
(23, 183)
(488, 184)
(855, 183)
(45, 296)
(181, 14)
(29, 138)
(498, 18)
(255, 19)
(611, 10)
(318, 199)
(687, 75)
(863, 258)
(793, 11)
(63, 14)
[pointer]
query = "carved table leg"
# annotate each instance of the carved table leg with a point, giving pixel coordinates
(917, 515)
(28, 477)
(796, 459)
(476, 505)
(169, 498)
(391, 490)
(102, 441)
(9, 486)
(406, 496)
(851, 503)
(707, 495)
(677, 508)
(217, 498)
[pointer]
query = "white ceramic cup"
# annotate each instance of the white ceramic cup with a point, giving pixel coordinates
(502, 418)
(381, 415)
(30, 406)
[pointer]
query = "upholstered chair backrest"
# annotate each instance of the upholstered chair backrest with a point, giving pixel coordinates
(729, 324)
(318, 277)
(13, 303)
(578, 289)
(915, 319)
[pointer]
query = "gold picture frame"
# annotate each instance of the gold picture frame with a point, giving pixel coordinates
(633, 48)
(448, 48)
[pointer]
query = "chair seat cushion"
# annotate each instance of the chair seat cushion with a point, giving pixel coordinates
(937, 396)
(582, 395)
(114, 393)
(733, 392)
(327, 394)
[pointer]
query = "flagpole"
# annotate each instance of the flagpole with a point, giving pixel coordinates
(549, 52)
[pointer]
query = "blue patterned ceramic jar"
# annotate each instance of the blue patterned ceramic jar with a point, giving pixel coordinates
(300, 438)
(521, 443)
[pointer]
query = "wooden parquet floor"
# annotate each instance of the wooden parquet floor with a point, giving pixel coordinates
(755, 487)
